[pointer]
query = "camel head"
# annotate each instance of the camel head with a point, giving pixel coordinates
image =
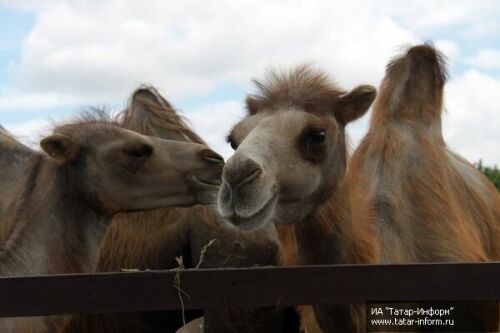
(290, 151)
(120, 170)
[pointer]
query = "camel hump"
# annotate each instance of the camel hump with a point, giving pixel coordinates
(145, 105)
(427, 66)
(9, 144)
(148, 95)
(149, 113)
(413, 85)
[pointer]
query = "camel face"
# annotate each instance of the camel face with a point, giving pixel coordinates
(121, 170)
(290, 150)
(280, 164)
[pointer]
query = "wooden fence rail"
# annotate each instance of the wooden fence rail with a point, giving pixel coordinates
(269, 286)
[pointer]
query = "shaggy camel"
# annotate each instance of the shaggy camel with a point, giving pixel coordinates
(92, 170)
(152, 240)
(424, 202)
(404, 197)
(289, 163)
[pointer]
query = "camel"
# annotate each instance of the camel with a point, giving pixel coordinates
(403, 197)
(153, 239)
(417, 184)
(92, 169)
(289, 161)
(424, 202)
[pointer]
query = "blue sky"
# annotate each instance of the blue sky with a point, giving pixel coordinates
(15, 25)
(59, 56)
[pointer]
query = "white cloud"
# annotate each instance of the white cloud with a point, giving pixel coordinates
(99, 51)
(30, 132)
(450, 48)
(106, 48)
(480, 16)
(486, 58)
(109, 47)
(33, 101)
(472, 118)
(26, 4)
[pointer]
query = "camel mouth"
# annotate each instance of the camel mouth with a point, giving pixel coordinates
(257, 219)
(204, 183)
(206, 190)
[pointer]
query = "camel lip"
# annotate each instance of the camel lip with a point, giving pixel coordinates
(216, 183)
(215, 160)
(255, 220)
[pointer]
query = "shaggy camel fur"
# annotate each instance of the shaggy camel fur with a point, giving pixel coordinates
(69, 195)
(152, 240)
(404, 197)
(289, 163)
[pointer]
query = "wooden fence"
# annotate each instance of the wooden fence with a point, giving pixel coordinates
(269, 286)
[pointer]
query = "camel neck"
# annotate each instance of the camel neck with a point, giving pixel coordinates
(53, 231)
(321, 235)
(328, 235)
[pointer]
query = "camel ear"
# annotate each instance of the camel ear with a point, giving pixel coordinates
(252, 104)
(355, 104)
(60, 148)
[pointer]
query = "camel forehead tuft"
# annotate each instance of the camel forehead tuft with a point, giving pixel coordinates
(304, 86)
(89, 123)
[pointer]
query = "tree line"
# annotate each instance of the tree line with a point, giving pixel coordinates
(493, 173)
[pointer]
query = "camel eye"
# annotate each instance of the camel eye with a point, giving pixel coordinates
(142, 152)
(233, 144)
(312, 144)
(317, 136)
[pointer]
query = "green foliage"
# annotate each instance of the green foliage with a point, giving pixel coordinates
(493, 173)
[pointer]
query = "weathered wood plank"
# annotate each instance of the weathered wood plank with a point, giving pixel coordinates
(153, 290)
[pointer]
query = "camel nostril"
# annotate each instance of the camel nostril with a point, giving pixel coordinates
(213, 157)
(238, 172)
(251, 176)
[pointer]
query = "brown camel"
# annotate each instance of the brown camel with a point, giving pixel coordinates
(152, 240)
(424, 202)
(418, 187)
(289, 163)
(403, 198)
(93, 169)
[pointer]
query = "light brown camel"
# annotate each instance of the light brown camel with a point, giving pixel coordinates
(289, 163)
(152, 240)
(424, 202)
(91, 170)
(403, 198)
(417, 186)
